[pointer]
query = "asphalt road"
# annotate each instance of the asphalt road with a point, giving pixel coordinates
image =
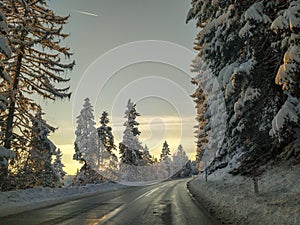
(165, 203)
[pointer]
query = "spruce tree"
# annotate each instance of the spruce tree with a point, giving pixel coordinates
(130, 147)
(87, 147)
(106, 140)
(179, 158)
(86, 143)
(166, 161)
(59, 166)
(105, 133)
(147, 157)
(242, 45)
(39, 170)
(201, 135)
(165, 152)
(286, 123)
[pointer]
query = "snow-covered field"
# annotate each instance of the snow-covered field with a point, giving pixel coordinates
(13, 202)
(231, 199)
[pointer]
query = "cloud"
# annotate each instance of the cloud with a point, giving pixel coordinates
(156, 121)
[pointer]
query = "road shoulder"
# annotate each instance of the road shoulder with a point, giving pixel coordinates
(231, 200)
(14, 202)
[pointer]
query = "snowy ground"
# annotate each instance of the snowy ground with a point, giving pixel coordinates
(231, 199)
(13, 202)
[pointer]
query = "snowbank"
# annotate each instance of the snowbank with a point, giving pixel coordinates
(12, 202)
(231, 199)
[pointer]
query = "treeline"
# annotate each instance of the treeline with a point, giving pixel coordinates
(31, 67)
(96, 150)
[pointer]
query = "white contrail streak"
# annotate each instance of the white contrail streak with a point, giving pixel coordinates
(85, 13)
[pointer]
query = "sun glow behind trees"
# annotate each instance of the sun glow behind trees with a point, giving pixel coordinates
(135, 163)
(154, 131)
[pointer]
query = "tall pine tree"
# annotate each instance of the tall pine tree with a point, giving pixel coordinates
(87, 147)
(165, 152)
(106, 140)
(39, 170)
(105, 133)
(59, 167)
(147, 157)
(130, 147)
(165, 160)
(179, 158)
(86, 143)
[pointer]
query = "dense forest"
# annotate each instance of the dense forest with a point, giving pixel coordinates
(248, 85)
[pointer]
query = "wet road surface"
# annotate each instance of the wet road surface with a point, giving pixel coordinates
(165, 203)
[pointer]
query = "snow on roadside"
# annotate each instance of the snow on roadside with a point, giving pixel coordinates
(232, 201)
(12, 202)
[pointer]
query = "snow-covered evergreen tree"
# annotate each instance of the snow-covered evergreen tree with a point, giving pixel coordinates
(105, 133)
(200, 99)
(238, 47)
(167, 167)
(286, 124)
(106, 141)
(166, 161)
(148, 166)
(147, 157)
(165, 152)
(59, 166)
(87, 147)
(130, 147)
(39, 170)
(34, 34)
(179, 159)
(87, 175)
(86, 143)
(211, 116)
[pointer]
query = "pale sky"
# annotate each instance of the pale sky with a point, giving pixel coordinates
(123, 49)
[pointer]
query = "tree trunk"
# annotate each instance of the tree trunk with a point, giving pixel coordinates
(12, 106)
(10, 118)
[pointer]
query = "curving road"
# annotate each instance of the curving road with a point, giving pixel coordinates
(165, 203)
